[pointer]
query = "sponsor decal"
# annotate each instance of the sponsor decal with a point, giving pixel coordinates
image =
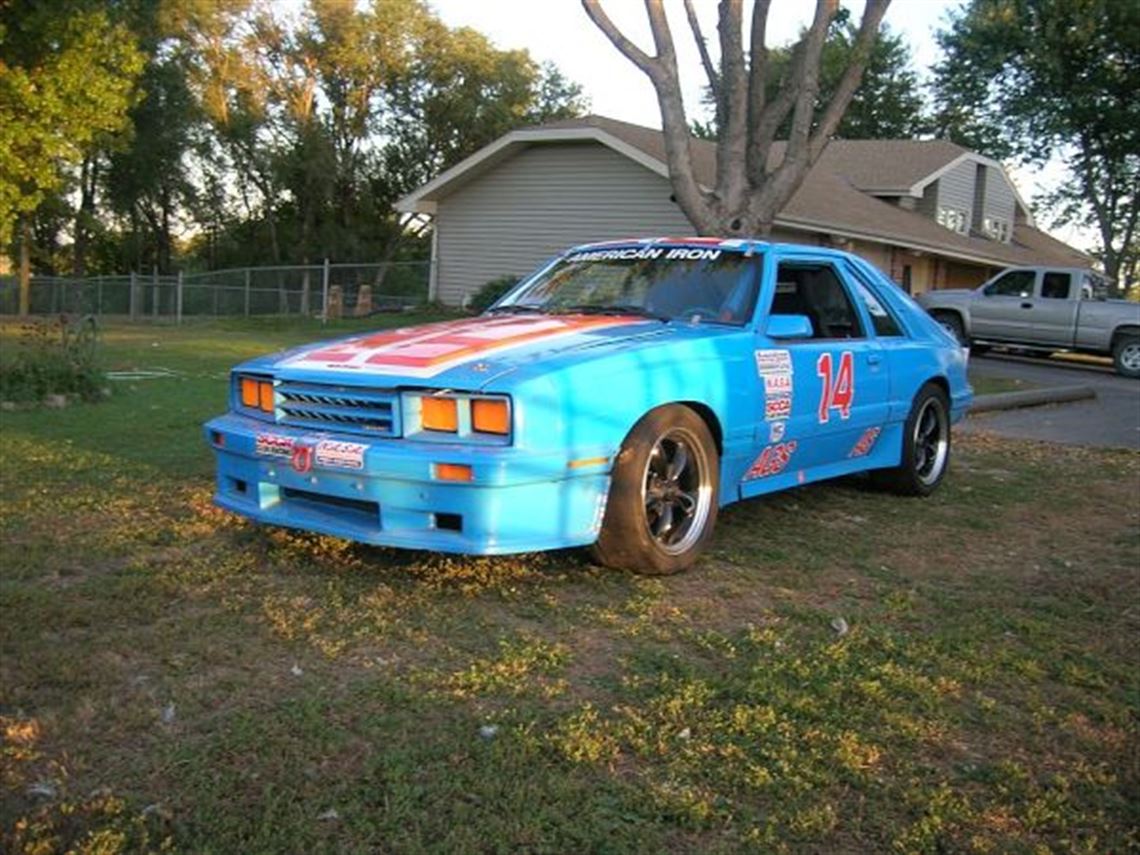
(430, 350)
(626, 254)
(838, 387)
(776, 431)
(777, 384)
(865, 443)
(777, 408)
(773, 362)
(772, 460)
(274, 445)
(339, 455)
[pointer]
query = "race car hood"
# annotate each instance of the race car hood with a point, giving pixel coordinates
(470, 353)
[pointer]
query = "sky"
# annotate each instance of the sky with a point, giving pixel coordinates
(559, 31)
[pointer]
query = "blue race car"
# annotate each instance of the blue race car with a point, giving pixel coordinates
(616, 398)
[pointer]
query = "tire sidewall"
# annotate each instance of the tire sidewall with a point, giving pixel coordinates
(1118, 353)
(913, 484)
(625, 540)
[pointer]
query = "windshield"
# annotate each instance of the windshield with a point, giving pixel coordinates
(667, 283)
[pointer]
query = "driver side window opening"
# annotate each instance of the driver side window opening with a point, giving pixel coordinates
(815, 291)
(1016, 283)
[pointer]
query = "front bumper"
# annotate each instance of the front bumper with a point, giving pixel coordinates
(516, 501)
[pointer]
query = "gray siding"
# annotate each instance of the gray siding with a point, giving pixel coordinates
(1000, 201)
(538, 203)
(956, 188)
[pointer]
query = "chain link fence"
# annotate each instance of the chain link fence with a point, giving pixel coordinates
(324, 290)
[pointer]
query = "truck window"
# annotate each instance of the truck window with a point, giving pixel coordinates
(1055, 286)
(1016, 283)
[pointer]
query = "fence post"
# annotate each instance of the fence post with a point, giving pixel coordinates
(178, 300)
(325, 293)
(247, 278)
(154, 291)
(99, 296)
(134, 297)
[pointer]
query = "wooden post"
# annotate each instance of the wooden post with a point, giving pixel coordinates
(325, 293)
(178, 300)
(133, 297)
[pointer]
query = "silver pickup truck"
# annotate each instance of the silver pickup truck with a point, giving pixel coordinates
(1043, 308)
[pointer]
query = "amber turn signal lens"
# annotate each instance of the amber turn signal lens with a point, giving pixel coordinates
(249, 392)
(453, 472)
(490, 416)
(266, 397)
(439, 414)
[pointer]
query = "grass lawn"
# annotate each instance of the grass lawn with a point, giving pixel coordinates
(174, 678)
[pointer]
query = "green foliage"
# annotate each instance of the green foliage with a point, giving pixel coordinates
(1038, 79)
(67, 76)
(52, 358)
(491, 291)
(888, 103)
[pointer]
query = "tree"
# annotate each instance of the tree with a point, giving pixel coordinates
(748, 192)
(1042, 78)
(67, 76)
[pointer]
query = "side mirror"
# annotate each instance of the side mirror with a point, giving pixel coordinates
(789, 326)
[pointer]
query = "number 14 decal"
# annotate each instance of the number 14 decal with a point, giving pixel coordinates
(838, 389)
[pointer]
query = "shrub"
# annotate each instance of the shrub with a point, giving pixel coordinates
(482, 299)
(52, 358)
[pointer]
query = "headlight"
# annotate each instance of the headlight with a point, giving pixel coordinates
(456, 415)
(254, 392)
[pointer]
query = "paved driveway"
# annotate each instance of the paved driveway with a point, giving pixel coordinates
(1111, 420)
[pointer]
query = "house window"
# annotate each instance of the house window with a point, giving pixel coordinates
(953, 219)
(996, 229)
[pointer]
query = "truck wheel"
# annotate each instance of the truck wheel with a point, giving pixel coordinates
(953, 325)
(663, 496)
(926, 446)
(1126, 356)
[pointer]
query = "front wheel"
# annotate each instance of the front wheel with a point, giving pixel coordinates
(926, 446)
(663, 496)
(1126, 356)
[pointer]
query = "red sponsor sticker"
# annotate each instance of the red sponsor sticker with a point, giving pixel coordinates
(865, 443)
(772, 460)
(302, 459)
(778, 408)
(274, 445)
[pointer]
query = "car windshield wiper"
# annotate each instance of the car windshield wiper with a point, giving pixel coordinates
(517, 309)
(619, 309)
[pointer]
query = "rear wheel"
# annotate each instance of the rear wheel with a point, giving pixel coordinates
(926, 446)
(1126, 356)
(663, 496)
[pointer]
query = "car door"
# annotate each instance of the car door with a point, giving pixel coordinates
(1003, 309)
(1055, 308)
(820, 394)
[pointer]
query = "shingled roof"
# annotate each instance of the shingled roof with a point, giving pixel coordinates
(840, 196)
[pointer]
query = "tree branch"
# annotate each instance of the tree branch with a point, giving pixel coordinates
(864, 42)
(757, 78)
(772, 116)
(627, 48)
(662, 72)
(706, 60)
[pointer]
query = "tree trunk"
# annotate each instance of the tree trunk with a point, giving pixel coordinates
(25, 228)
(88, 176)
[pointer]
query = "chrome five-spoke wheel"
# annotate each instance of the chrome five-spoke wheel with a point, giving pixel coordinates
(677, 491)
(931, 441)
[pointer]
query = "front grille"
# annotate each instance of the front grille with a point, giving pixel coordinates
(345, 409)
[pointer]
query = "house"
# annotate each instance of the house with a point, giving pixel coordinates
(929, 213)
